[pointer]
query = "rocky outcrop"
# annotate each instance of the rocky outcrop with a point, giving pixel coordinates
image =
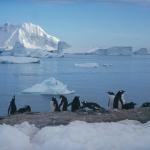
(63, 118)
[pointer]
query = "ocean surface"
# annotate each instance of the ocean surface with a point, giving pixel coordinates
(129, 73)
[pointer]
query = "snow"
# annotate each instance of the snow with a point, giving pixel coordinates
(87, 65)
(49, 86)
(112, 51)
(124, 135)
(17, 60)
(28, 39)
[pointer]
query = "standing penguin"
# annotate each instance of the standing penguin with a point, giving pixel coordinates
(54, 105)
(12, 107)
(63, 103)
(118, 101)
(75, 104)
(111, 97)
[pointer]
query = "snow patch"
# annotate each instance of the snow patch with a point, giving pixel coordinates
(50, 86)
(124, 135)
(17, 60)
(87, 65)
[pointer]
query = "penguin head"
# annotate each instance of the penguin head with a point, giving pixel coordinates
(53, 99)
(61, 96)
(110, 93)
(122, 91)
(133, 103)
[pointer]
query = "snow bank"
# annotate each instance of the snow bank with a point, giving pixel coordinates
(124, 135)
(17, 60)
(50, 86)
(87, 65)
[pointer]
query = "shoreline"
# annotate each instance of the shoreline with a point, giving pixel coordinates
(41, 119)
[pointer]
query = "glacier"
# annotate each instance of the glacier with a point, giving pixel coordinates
(49, 86)
(124, 135)
(28, 40)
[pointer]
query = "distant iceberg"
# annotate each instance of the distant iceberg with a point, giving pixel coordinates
(17, 60)
(49, 86)
(112, 51)
(87, 65)
(142, 51)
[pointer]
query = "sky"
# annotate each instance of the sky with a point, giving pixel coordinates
(85, 24)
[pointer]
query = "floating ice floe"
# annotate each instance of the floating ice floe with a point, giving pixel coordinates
(87, 65)
(17, 60)
(106, 65)
(124, 135)
(50, 86)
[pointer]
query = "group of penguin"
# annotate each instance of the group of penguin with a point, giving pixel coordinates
(75, 105)
(12, 109)
(116, 101)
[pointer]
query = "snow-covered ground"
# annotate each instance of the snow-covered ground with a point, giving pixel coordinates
(124, 135)
(49, 86)
(18, 60)
(87, 65)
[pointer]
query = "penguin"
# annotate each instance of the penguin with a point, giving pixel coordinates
(111, 97)
(12, 109)
(93, 106)
(54, 105)
(118, 101)
(24, 109)
(130, 105)
(146, 104)
(75, 104)
(63, 103)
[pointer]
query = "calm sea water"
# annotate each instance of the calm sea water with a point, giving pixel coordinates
(130, 73)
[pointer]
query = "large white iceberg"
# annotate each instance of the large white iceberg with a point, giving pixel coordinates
(28, 39)
(87, 65)
(124, 135)
(113, 51)
(50, 86)
(17, 60)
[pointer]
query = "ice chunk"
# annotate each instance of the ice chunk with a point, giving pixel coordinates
(87, 65)
(50, 86)
(17, 60)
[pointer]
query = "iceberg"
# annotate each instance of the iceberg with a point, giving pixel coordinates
(124, 135)
(112, 51)
(87, 65)
(49, 86)
(17, 60)
(28, 40)
(142, 51)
